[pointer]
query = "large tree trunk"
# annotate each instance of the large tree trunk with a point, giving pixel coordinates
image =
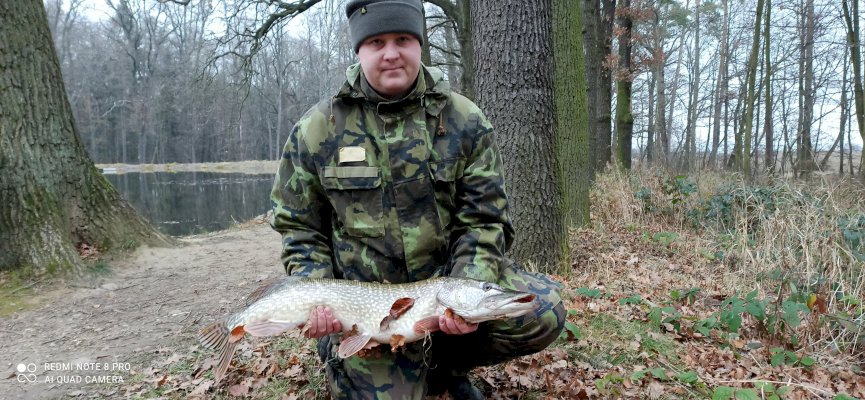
(603, 121)
(572, 118)
(52, 199)
(591, 10)
(624, 118)
(514, 88)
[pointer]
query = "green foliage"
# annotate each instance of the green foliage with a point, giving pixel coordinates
(688, 296)
(631, 300)
(608, 386)
(853, 234)
(664, 315)
(762, 390)
(785, 357)
(588, 292)
(657, 373)
(779, 320)
(673, 191)
(725, 207)
(665, 238)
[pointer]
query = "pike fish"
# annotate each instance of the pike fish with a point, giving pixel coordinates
(370, 313)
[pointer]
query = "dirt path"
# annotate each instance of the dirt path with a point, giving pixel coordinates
(153, 302)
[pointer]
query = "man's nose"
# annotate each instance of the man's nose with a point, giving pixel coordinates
(390, 51)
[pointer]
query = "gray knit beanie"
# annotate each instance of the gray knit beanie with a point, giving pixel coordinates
(373, 17)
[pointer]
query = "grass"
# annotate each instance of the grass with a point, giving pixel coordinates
(789, 240)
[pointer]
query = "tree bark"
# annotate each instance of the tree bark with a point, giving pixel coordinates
(591, 13)
(691, 139)
(572, 117)
(743, 155)
(514, 88)
(603, 123)
(845, 109)
(675, 87)
(852, 23)
(662, 143)
(721, 89)
(767, 60)
(52, 199)
(805, 156)
(624, 118)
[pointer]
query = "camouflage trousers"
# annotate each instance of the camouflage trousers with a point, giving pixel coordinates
(405, 374)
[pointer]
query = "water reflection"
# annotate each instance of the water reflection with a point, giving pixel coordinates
(182, 203)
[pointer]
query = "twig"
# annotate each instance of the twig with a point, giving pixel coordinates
(27, 287)
(17, 333)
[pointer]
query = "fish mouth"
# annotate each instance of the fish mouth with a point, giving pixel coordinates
(525, 299)
(510, 305)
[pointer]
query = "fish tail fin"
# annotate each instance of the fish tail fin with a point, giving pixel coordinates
(216, 336)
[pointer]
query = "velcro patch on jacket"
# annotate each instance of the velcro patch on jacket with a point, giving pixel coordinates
(350, 154)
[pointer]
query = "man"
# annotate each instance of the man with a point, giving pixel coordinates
(397, 179)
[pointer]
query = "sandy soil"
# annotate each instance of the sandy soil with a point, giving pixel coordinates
(153, 301)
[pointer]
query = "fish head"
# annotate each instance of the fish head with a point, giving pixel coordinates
(477, 301)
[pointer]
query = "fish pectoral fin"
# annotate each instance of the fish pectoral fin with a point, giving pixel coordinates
(399, 307)
(428, 324)
(396, 341)
(269, 327)
(353, 344)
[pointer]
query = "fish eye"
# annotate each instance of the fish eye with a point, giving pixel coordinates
(490, 286)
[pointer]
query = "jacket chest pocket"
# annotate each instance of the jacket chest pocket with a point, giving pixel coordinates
(445, 174)
(356, 196)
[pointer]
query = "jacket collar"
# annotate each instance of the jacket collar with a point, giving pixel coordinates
(432, 90)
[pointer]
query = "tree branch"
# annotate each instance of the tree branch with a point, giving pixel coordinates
(450, 9)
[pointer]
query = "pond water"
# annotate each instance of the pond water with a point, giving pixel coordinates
(183, 203)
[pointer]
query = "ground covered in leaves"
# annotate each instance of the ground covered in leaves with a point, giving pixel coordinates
(656, 310)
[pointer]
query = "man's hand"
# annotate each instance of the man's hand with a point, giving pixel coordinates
(320, 323)
(453, 324)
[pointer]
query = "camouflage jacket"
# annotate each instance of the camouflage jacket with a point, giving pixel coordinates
(392, 191)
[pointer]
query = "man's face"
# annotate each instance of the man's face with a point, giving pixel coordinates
(390, 62)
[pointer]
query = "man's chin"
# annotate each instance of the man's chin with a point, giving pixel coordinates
(394, 89)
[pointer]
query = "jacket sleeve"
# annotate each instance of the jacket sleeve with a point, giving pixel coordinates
(301, 213)
(483, 230)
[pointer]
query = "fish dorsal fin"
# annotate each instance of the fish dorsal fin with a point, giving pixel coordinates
(353, 344)
(399, 307)
(268, 287)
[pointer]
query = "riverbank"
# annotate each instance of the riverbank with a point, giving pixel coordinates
(242, 167)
